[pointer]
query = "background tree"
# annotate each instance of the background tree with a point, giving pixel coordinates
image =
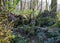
(21, 5)
(53, 5)
(41, 6)
(0, 2)
(46, 5)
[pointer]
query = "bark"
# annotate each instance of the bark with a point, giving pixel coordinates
(0, 2)
(46, 5)
(21, 5)
(4, 2)
(53, 5)
(41, 6)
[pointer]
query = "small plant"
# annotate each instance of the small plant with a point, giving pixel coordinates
(19, 39)
(57, 24)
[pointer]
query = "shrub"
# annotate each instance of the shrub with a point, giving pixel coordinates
(45, 21)
(5, 28)
(19, 39)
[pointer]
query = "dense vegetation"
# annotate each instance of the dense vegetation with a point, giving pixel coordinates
(30, 25)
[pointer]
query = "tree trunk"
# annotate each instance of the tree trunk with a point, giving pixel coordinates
(31, 9)
(0, 2)
(21, 5)
(46, 5)
(53, 5)
(41, 6)
(37, 4)
(4, 2)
